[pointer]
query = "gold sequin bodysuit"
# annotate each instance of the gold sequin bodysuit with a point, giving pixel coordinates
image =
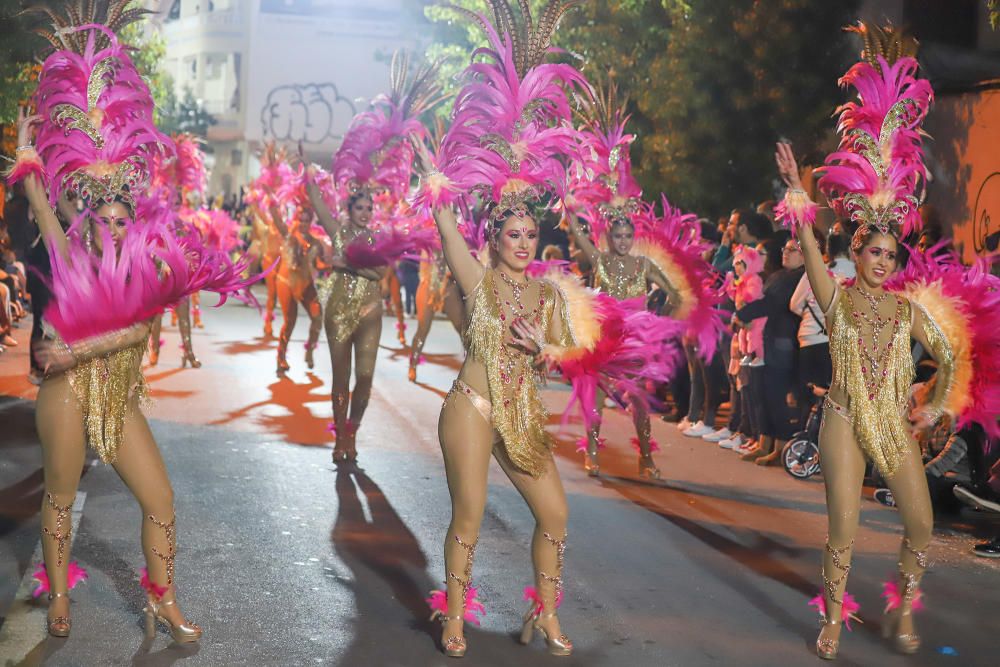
(351, 297)
(620, 284)
(517, 411)
(105, 388)
(877, 415)
(435, 273)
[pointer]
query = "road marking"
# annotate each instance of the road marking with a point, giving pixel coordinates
(24, 629)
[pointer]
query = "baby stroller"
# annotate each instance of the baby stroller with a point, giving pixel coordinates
(800, 455)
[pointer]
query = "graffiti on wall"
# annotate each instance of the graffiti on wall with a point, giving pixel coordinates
(984, 230)
(312, 113)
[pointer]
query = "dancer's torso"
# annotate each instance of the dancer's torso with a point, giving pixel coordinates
(505, 375)
(872, 378)
(621, 277)
(351, 297)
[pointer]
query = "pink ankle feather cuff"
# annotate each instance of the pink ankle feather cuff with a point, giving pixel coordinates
(438, 602)
(893, 598)
(74, 575)
(531, 595)
(151, 587)
(848, 611)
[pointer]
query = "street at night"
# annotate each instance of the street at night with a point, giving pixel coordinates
(286, 559)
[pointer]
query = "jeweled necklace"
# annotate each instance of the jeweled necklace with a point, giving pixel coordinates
(874, 364)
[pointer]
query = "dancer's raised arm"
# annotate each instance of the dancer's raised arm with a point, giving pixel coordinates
(823, 284)
(468, 271)
(52, 232)
(326, 217)
(582, 239)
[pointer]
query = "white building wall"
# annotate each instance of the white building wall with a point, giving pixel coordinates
(288, 70)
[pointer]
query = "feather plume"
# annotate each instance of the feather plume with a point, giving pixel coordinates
(964, 302)
(531, 595)
(75, 574)
(848, 610)
(894, 599)
(150, 586)
(474, 609)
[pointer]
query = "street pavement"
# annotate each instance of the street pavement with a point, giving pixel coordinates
(286, 559)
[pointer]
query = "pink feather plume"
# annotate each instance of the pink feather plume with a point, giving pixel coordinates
(848, 611)
(474, 609)
(75, 574)
(531, 595)
(894, 599)
(150, 586)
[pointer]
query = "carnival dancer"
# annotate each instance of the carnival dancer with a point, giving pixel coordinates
(111, 273)
(437, 292)
(373, 166)
(605, 188)
(179, 183)
(875, 178)
(494, 408)
(300, 252)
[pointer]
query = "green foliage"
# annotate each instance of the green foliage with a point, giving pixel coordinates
(712, 84)
(18, 49)
(186, 115)
(994, 8)
(148, 56)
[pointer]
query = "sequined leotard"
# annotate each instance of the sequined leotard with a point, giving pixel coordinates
(621, 285)
(105, 388)
(875, 406)
(517, 411)
(351, 297)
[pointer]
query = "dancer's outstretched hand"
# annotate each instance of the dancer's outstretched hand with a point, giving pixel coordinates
(787, 166)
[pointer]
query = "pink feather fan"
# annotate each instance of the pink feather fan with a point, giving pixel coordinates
(964, 302)
(438, 602)
(75, 574)
(672, 242)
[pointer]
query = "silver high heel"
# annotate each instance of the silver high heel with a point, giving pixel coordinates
(560, 645)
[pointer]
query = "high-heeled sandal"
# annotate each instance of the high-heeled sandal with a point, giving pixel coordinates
(182, 633)
(310, 362)
(454, 646)
(560, 645)
(591, 465)
(189, 358)
(827, 648)
(648, 469)
(60, 625)
(907, 643)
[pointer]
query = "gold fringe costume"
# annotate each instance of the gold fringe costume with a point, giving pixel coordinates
(874, 399)
(516, 406)
(348, 297)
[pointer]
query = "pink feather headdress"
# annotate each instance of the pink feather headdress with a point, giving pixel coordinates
(99, 135)
(511, 122)
(377, 152)
(877, 175)
(601, 184)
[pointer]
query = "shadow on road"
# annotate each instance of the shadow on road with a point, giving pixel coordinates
(381, 554)
(298, 425)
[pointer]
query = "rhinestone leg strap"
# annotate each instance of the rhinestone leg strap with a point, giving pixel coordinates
(63, 528)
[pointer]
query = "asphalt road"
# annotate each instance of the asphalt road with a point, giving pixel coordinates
(285, 559)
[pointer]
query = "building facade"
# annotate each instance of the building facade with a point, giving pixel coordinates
(294, 71)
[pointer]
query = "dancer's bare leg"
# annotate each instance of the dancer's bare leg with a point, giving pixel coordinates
(154, 340)
(366, 339)
(183, 311)
(425, 317)
(60, 428)
(271, 283)
(290, 312)
(340, 364)
(141, 467)
(311, 304)
(467, 444)
(844, 474)
(913, 503)
(547, 500)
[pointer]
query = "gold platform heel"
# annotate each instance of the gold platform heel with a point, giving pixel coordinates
(560, 645)
(455, 646)
(591, 465)
(902, 603)
(648, 469)
(60, 625)
(182, 633)
(827, 648)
